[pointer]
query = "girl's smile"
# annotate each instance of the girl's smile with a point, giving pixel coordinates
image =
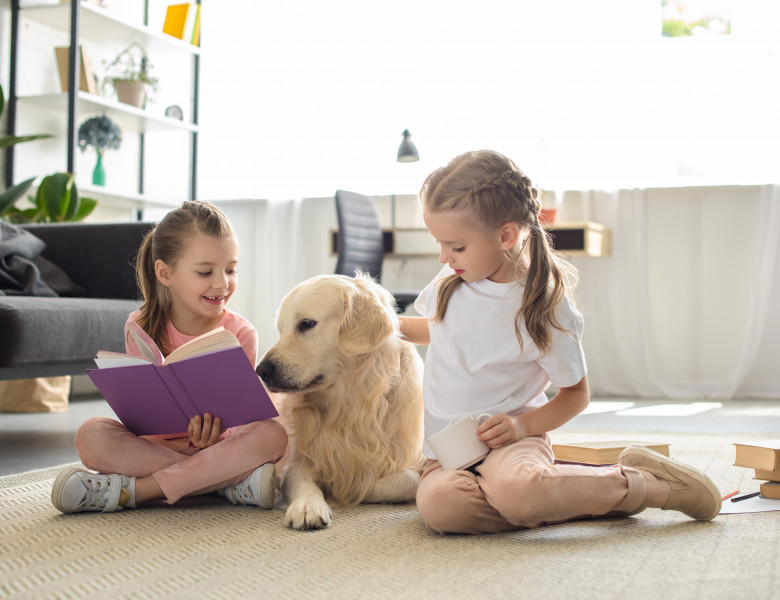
(200, 282)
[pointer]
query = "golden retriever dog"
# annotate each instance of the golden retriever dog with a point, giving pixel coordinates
(355, 388)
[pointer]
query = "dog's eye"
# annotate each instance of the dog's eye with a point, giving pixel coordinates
(306, 324)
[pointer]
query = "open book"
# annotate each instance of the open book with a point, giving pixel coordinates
(158, 396)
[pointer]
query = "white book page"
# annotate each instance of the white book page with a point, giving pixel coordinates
(120, 361)
(749, 505)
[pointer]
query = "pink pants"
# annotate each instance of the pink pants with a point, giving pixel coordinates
(519, 486)
(106, 446)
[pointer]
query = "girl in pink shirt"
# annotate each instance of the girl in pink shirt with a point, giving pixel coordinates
(186, 271)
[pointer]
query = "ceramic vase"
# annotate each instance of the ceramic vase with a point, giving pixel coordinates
(99, 174)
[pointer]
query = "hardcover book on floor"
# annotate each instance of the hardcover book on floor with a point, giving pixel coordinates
(600, 453)
(758, 455)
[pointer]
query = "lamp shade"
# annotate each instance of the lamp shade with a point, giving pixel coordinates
(407, 152)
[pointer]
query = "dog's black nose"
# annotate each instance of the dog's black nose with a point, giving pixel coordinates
(266, 370)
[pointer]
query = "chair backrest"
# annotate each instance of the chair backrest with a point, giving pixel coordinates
(360, 239)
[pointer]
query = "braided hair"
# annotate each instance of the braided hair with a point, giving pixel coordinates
(496, 192)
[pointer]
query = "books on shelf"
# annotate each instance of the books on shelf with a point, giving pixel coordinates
(770, 489)
(601, 453)
(182, 21)
(153, 395)
(758, 455)
(86, 78)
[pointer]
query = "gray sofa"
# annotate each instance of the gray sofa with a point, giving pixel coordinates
(50, 336)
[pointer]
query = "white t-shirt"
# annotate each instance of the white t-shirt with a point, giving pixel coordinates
(474, 363)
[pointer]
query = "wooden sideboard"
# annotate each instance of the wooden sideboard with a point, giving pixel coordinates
(574, 239)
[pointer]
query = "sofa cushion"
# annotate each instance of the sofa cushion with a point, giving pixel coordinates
(38, 330)
(98, 256)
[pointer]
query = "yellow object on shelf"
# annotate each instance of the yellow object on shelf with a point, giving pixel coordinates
(182, 21)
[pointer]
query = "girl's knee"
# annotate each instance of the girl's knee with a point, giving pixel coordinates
(523, 498)
(445, 498)
(92, 439)
(271, 437)
(93, 431)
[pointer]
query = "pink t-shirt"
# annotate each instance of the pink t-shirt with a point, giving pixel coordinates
(233, 322)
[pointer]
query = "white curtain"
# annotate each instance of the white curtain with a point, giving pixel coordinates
(661, 320)
(757, 373)
(281, 244)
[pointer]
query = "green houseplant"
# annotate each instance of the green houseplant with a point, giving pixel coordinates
(130, 75)
(56, 199)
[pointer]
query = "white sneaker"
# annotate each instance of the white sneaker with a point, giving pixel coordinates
(77, 490)
(258, 489)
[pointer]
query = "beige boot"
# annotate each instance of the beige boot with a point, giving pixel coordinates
(692, 492)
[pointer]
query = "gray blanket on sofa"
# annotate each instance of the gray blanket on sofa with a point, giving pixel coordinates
(24, 272)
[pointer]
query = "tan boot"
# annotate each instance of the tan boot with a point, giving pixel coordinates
(692, 492)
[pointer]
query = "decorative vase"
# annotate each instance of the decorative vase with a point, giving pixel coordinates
(99, 174)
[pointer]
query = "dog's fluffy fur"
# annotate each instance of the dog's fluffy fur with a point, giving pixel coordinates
(356, 398)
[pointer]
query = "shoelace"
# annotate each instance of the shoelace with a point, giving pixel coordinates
(98, 493)
(242, 491)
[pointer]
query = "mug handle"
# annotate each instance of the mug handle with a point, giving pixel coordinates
(481, 418)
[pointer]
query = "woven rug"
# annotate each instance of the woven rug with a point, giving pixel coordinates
(207, 548)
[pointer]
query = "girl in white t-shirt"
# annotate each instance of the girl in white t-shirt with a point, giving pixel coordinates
(186, 271)
(501, 330)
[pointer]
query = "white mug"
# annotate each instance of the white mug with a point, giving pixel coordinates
(457, 446)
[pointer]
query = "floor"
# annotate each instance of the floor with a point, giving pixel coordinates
(31, 441)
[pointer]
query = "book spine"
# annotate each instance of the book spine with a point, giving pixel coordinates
(179, 392)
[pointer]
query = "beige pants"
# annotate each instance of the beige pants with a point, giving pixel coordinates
(520, 486)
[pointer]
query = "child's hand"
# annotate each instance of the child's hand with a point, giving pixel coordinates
(501, 430)
(205, 435)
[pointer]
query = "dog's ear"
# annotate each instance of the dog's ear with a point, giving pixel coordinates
(366, 321)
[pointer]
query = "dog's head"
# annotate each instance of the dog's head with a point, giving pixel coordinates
(322, 322)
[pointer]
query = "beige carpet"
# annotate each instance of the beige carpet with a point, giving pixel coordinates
(209, 549)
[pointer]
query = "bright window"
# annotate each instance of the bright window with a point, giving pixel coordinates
(301, 98)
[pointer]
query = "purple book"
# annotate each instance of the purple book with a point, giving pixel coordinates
(153, 399)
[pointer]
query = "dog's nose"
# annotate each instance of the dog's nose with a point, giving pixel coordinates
(266, 370)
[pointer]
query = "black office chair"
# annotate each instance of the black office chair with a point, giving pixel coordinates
(360, 244)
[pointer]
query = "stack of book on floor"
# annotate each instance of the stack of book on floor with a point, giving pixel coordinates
(764, 458)
(600, 453)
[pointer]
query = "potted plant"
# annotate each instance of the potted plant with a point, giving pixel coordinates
(56, 199)
(102, 134)
(130, 74)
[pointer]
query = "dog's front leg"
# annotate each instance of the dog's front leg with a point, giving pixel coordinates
(308, 509)
(400, 486)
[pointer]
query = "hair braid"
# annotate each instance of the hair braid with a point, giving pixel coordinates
(496, 191)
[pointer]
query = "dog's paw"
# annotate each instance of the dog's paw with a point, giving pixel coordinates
(308, 513)
(400, 486)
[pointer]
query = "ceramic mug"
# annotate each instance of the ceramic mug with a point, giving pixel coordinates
(457, 446)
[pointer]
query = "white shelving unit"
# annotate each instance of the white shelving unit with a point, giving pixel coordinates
(129, 118)
(98, 26)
